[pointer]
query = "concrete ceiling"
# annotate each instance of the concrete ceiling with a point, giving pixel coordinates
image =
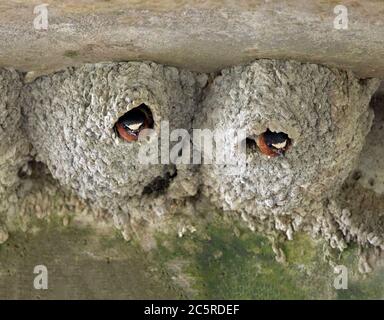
(197, 35)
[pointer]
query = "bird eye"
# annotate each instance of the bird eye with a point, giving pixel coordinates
(129, 125)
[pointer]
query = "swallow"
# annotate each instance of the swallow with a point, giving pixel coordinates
(273, 144)
(132, 123)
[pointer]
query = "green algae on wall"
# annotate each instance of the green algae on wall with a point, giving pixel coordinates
(217, 261)
(223, 264)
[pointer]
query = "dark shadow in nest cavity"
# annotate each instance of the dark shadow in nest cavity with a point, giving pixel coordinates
(33, 170)
(159, 184)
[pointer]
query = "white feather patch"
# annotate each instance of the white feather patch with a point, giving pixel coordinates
(280, 145)
(134, 126)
